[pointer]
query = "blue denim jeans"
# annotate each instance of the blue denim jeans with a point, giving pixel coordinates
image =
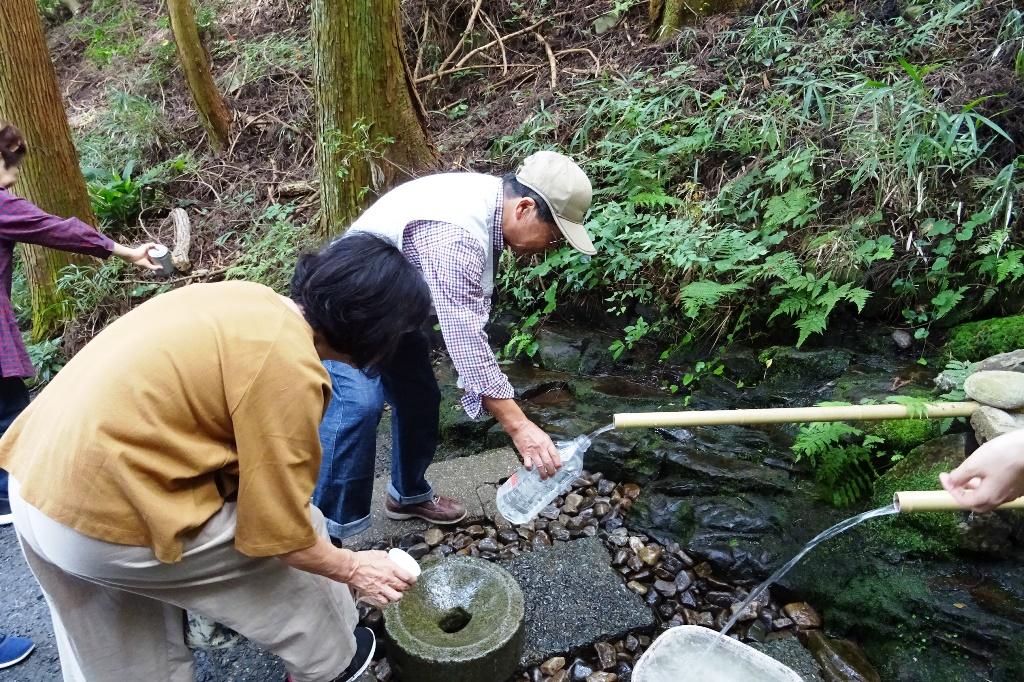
(348, 435)
(13, 399)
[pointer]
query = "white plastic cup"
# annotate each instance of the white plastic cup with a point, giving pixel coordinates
(405, 562)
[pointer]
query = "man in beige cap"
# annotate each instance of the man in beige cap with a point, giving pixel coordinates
(453, 227)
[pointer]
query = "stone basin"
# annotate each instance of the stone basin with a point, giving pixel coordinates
(462, 622)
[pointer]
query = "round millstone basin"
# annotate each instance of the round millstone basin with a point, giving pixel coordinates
(461, 622)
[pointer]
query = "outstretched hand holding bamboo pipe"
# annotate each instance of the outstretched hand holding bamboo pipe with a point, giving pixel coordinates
(991, 476)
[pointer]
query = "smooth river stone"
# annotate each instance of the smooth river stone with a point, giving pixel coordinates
(1004, 390)
(989, 423)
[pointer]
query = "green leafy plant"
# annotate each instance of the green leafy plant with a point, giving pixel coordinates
(842, 458)
(270, 248)
(359, 144)
(48, 359)
(851, 179)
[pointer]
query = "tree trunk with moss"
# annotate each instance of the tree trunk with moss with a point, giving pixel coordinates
(370, 120)
(668, 16)
(196, 64)
(50, 175)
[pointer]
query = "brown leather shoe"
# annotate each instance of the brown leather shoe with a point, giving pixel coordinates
(440, 510)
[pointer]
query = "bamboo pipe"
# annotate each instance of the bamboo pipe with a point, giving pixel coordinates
(785, 415)
(937, 500)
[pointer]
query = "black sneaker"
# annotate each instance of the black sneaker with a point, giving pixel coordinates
(366, 644)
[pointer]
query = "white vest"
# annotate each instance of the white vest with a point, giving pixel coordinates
(467, 200)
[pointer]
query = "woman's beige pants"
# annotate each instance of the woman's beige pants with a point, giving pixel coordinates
(118, 613)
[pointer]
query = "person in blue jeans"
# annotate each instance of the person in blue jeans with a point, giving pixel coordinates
(21, 221)
(453, 228)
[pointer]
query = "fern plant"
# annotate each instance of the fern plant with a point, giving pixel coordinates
(842, 458)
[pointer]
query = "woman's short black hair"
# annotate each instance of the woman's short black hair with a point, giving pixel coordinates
(361, 295)
(12, 145)
(514, 188)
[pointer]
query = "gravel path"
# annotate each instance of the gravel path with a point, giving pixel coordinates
(25, 614)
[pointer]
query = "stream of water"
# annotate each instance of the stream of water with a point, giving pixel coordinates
(817, 540)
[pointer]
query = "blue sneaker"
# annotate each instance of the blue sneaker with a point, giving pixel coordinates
(14, 650)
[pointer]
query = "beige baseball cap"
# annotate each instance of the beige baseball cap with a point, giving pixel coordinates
(567, 191)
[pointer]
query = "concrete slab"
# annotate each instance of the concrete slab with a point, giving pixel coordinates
(574, 598)
(472, 479)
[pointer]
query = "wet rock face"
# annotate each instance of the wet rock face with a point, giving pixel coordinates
(463, 621)
(840, 659)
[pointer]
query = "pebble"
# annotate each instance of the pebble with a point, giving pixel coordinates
(649, 555)
(602, 677)
(550, 512)
(418, 551)
(552, 665)
(508, 536)
(605, 487)
(433, 536)
(631, 491)
(488, 545)
(580, 671)
(572, 503)
(639, 588)
(605, 655)
(803, 615)
(903, 339)
(382, 671)
(666, 588)
(476, 531)
(560, 676)
(748, 614)
(699, 618)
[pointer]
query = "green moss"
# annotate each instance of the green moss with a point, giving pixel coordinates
(903, 435)
(981, 339)
(935, 534)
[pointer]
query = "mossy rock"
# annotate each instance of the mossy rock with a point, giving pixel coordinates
(787, 362)
(903, 435)
(981, 339)
(937, 533)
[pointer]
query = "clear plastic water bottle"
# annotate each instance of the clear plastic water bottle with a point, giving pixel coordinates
(524, 494)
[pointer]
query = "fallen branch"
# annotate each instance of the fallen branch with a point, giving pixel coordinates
(501, 44)
(177, 280)
(462, 38)
(551, 59)
(475, 51)
(182, 240)
(597, 62)
(287, 190)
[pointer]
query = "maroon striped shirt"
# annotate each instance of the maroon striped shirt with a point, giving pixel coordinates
(22, 221)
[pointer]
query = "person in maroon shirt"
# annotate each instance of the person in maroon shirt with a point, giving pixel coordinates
(22, 221)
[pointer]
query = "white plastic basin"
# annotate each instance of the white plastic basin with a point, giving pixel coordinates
(691, 652)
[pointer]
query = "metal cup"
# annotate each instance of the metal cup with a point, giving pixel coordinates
(160, 255)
